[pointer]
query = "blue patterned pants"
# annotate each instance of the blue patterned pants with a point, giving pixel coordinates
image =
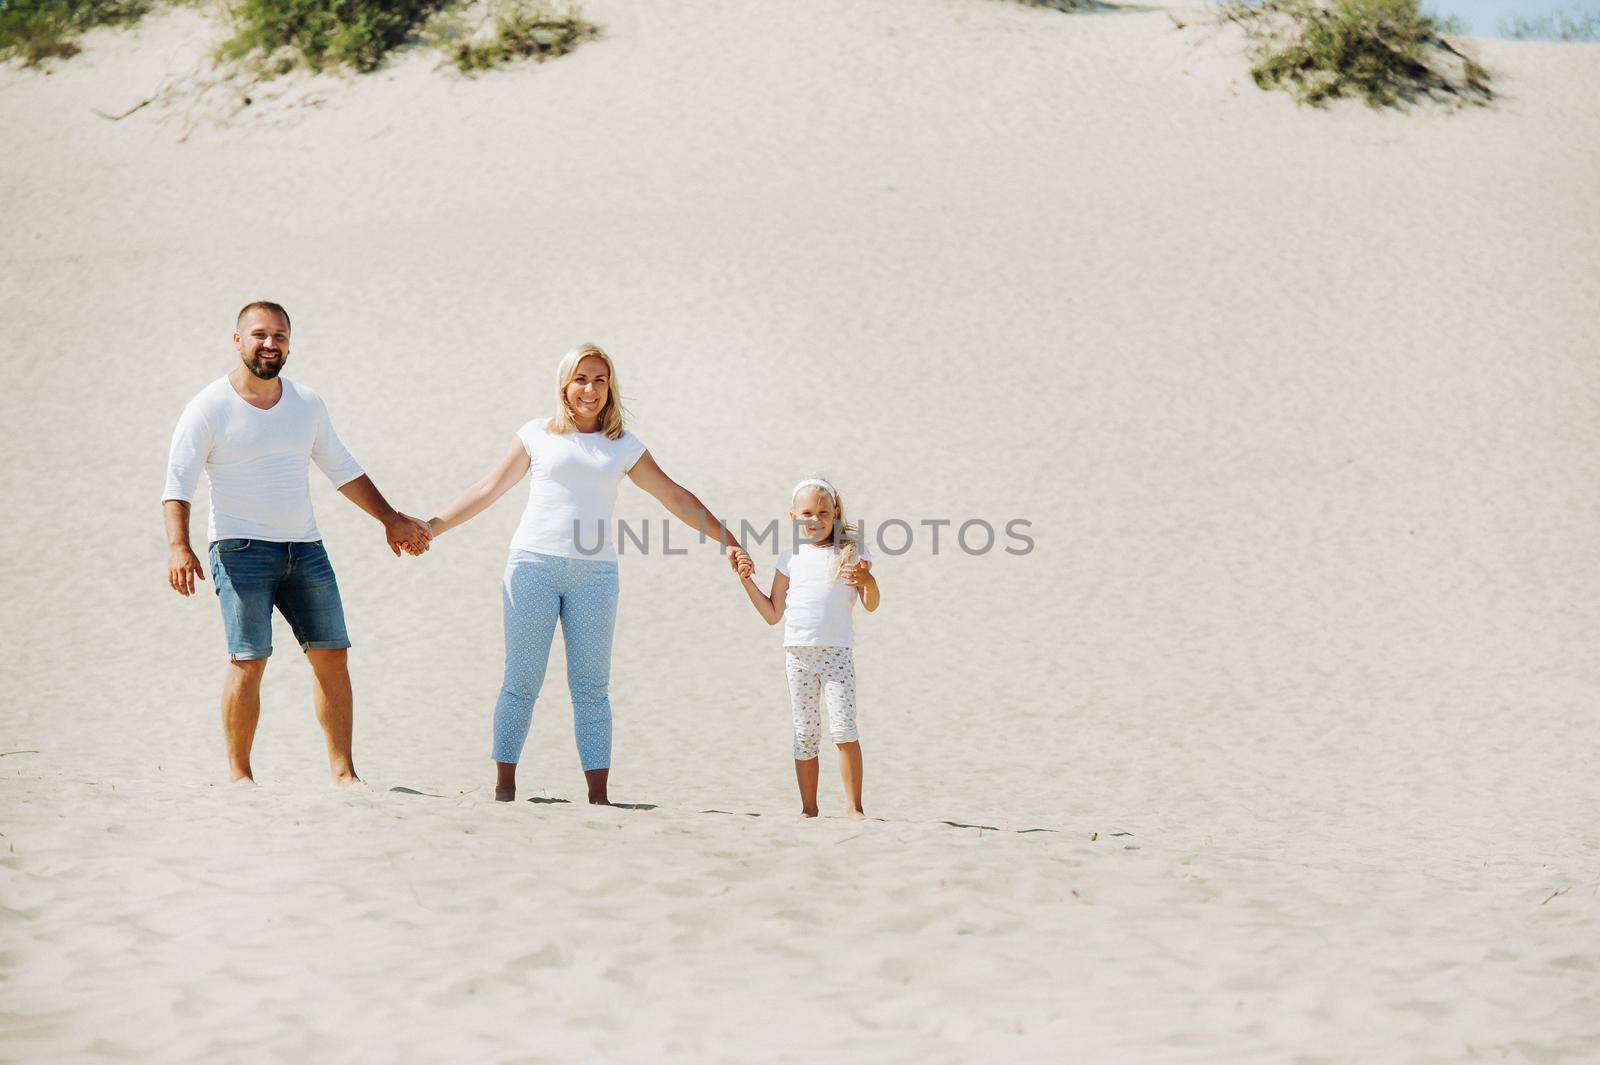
(582, 593)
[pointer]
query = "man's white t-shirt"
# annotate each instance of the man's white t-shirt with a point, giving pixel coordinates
(257, 461)
(572, 491)
(817, 610)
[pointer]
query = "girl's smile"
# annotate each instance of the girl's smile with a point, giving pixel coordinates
(815, 514)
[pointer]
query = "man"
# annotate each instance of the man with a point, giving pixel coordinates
(254, 434)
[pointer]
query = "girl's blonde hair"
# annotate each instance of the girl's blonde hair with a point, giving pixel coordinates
(847, 531)
(610, 415)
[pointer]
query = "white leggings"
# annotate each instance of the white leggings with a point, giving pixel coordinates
(815, 672)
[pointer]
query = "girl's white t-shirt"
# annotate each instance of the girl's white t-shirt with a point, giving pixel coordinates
(817, 611)
(573, 480)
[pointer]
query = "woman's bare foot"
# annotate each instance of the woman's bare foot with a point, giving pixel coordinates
(596, 779)
(505, 782)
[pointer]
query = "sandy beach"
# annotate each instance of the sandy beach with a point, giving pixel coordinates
(1278, 746)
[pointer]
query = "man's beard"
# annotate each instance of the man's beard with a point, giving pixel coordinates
(266, 373)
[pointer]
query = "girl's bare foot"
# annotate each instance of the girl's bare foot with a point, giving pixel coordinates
(850, 774)
(805, 774)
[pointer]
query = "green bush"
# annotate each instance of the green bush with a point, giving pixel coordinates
(277, 35)
(324, 34)
(1574, 25)
(359, 34)
(37, 30)
(1070, 5)
(506, 30)
(1386, 52)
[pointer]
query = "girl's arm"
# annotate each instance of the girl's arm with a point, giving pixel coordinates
(770, 609)
(680, 502)
(861, 579)
(482, 493)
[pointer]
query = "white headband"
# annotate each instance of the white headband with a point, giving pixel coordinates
(812, 482)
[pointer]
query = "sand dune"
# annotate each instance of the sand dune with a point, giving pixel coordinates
(1300, 676)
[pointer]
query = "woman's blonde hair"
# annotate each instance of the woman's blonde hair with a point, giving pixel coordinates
(610, 415)
(846, 531)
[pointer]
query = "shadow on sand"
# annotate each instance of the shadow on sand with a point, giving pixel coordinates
(748, 813)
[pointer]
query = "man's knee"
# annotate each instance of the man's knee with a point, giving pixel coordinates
(248, 668)
(328, 659)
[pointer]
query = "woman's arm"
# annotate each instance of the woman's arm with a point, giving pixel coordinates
(771, 609)
(482, 493)
(680, 502)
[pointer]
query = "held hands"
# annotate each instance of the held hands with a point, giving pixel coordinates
(183, 569)
(408, 534)
(741, 563)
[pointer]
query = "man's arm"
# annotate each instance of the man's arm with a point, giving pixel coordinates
(186, 460)
(183, 568)
(401, 530)
(340, 467)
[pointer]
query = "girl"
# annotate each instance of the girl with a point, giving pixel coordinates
(563, 565)
(815, 590)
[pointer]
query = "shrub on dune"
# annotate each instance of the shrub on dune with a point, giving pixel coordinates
(277, 35)
(37, 30)
(1386, 52)
(323, 34)
(480, 36)
(1071, 5)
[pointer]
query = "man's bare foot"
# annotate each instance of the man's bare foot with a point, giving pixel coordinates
(857, 815)
(808, 811)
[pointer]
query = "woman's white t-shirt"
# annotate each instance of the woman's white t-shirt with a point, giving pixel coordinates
(817, 610)
(573, 480)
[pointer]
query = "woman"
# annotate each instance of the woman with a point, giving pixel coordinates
(563, 564)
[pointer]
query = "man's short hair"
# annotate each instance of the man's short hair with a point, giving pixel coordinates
(261, 305)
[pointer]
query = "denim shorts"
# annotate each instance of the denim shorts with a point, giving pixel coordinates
(253, 576)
